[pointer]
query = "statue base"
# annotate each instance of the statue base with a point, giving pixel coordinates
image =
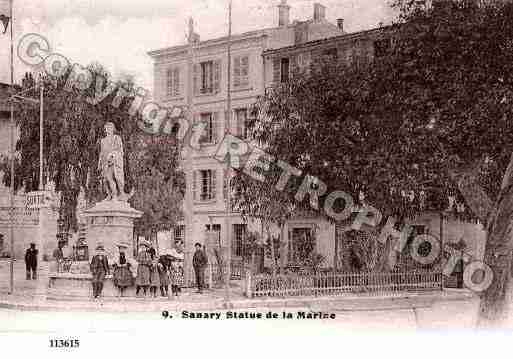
(109, 223)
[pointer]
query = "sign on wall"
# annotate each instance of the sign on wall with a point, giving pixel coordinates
(38, 199)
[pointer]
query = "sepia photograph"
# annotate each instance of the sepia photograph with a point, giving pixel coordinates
(258, 177)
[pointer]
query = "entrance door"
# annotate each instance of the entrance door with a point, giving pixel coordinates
(301, 245)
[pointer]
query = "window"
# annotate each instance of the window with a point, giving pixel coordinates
(300, 35)
(1, 243)
(240, 72)
(381, 47)
(301, 245)
(213, 235)
(204, 185)
(173, 82)
(180, 233)
(284, 69)
(241, 118)
(215, 227)
(239, 235)
(207, 77)
(330, 54)
(209, 132)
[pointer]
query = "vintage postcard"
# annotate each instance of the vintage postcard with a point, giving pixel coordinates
(195, 173)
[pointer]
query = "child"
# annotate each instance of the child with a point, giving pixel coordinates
(123, 276)
(176, 276)
(143, 268)
(154, 273)
(163, 269)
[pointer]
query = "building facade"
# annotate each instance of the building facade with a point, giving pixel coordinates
(195, 75)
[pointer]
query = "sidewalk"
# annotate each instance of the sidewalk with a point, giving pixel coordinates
(32, 295)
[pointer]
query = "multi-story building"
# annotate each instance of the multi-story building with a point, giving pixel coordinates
(195, 75)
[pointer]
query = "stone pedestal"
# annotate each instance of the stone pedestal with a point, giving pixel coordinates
(110, 222)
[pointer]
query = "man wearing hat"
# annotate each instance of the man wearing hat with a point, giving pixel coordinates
(144, 267)
(199, 262)
(31, 261)
(99, 269)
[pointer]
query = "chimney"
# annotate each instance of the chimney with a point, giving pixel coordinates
(319, 12)
(283, 13)
(340, 24)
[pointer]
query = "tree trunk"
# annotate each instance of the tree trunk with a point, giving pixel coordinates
(273, 254)
(498, 254)
(494, 306)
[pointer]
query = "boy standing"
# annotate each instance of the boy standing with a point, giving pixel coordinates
(199, 262)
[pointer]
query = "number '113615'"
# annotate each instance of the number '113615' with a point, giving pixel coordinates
(64, 343)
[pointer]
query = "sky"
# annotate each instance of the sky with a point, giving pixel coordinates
(119, 33)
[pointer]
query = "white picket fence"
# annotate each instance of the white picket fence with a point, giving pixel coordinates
(334, 284)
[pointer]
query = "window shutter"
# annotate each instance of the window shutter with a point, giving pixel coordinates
(169, 82)
(176, 78)
(204, 134)
(217, 76)
(276, 70)
(213, 184)
(195, 79)
(236, 72)
(290, 247)
(225, 184)
(195, 185)
(240, 124)
(294, 64)
(216, 127)
(244, 71)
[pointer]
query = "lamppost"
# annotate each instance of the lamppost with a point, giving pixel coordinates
(18, 98)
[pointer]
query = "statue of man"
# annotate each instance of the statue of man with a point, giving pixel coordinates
(111, 163)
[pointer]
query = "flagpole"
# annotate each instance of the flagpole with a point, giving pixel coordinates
(11, 279)
(228, 195)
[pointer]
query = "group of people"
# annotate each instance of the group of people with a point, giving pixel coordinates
(159, 272)
(153, 272)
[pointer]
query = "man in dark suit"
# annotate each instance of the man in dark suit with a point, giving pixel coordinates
(99, 269)
(31, 262)
(199, 262)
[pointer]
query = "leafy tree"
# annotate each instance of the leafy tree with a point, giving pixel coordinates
(430, 117)
(158, 186)
(73, 127)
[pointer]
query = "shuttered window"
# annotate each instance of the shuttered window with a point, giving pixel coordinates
(241, 118)
(209, 135)
(284, 69)
(207, 77)
(173, 82)
(205, 182)
(276, 70)
(239, 235)
(240, 72)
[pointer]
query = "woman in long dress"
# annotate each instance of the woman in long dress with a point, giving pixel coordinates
(123, 277)
(143, 268)
(154, 273)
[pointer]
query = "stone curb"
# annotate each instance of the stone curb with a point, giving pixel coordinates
(314, 304)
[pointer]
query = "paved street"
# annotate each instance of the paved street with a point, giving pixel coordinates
(29, 309)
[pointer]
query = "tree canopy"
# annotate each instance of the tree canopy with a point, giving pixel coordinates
(439, 99)
(73, 127)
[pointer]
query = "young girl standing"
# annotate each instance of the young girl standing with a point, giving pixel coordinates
(123, 276)
(154, 273)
